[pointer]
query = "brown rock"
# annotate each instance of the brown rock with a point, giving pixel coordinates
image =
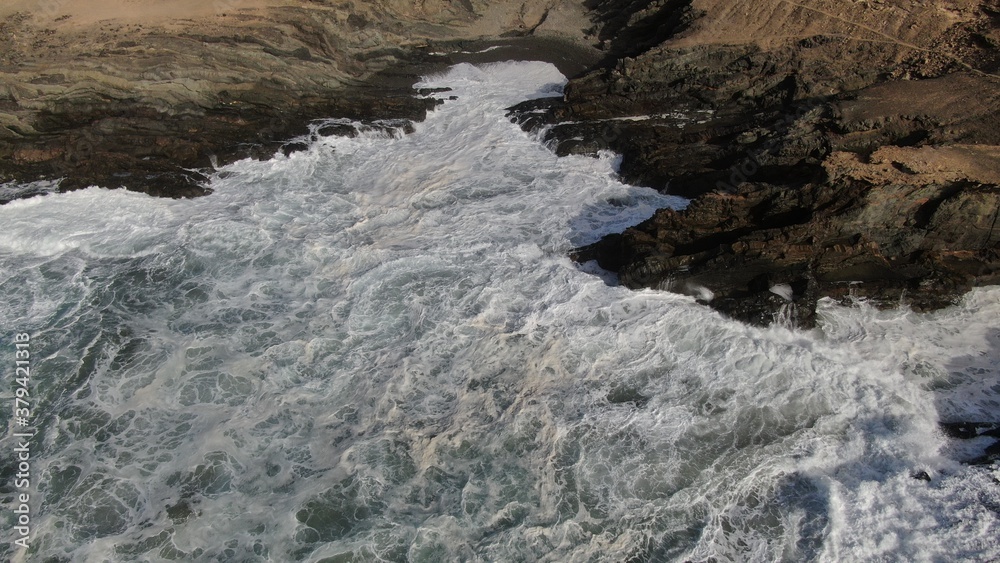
(133, 94)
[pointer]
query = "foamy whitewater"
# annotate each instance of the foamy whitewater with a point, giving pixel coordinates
(378, 350)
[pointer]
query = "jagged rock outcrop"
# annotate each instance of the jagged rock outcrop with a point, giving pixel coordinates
(767, 250)
(140, 93)
(834, 148)
(838, 147)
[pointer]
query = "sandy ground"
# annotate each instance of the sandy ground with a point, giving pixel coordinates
(479, 19)
(979, 164)
(172, 52)
(50, 32)
(149, 12)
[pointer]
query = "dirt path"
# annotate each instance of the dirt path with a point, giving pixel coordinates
(889, 38)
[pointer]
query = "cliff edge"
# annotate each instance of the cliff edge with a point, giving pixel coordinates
(834, 148)
(841, 148)
(143, 93)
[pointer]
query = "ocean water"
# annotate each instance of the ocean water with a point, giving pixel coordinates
(377, 350)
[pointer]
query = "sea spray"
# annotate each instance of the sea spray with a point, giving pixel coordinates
(378, 347)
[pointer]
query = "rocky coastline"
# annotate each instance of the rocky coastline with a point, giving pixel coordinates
(838, 149)
(149, 95)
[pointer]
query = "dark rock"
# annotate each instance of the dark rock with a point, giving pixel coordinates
(429, 91)
(769, 250)
(179, 94)
(990, 455)
(847, 151)
(969, 430)
(625, 394)
(356, 21)
(289, 148)
(139, 148)
(815, 171)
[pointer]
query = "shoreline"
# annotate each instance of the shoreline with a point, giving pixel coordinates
(817, 167)
(129, 145)
(144, 100)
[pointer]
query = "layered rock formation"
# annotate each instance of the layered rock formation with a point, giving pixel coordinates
(144, 93)
(836, 148)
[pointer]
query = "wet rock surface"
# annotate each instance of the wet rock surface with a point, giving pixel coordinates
(986, 431)
(834, 149)
(135, 147)
(150, 95)
(768, 250)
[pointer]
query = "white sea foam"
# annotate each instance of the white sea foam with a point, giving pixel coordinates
(782, 290)
(378, 346)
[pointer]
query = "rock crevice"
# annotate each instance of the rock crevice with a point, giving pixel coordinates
(837, 149)
(137, 94)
